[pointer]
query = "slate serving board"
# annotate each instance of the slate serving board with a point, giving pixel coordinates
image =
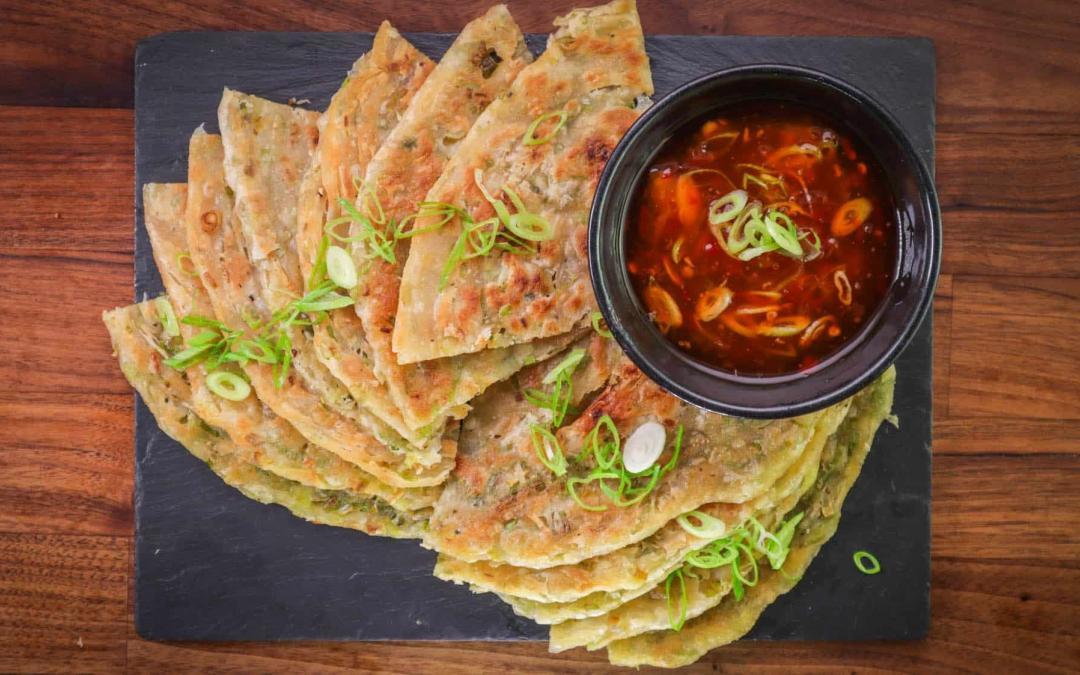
(213, 565)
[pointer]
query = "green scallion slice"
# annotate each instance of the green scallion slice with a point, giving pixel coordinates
(531, 138)
(168, 317)
(866, 562)
(228, 385)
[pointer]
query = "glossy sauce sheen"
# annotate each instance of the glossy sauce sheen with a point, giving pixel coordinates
(780, 314)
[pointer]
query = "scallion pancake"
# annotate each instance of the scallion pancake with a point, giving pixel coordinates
(361, 114)
(229, 279)
(503, 505)
(593, 73)
(596, 583)
(732, 618)
(264, 439)
(137, 338)
(477, 68)
(605, 604)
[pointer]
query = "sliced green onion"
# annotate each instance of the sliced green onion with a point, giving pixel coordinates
(258, 349)
(571, 488)
(785, 238)
(606, 453)
(728, 207)
(676, 617)
(340, 267)
(866, 562)
(705, 527)
(530, 133)
(228, 385)
(530, 226)
(188, 357)
(282, 346)
(327, 302)
(202, 322)
(596, 318)
(168, 317)
(567, 365)
(548, 449)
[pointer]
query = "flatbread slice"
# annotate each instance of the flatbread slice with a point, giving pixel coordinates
(361, 113)
(229, 279)
(732, 618)
(478, 67)
(137, 338)
(486, 513)
(595, 585)
(594, 72)
(263, 438)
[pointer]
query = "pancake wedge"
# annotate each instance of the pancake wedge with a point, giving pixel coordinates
(139, 343)
(361, 113)
(732, 619)
(229, 279)
(592, 74)
(477, 68)
(264, 439)
(595, 585)
(485, 512)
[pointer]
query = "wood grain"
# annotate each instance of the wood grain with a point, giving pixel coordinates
(80, 52)
(1019, 335)
(63, 602)
(1006, 565)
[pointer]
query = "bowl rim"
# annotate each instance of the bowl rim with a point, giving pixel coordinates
(923, 285)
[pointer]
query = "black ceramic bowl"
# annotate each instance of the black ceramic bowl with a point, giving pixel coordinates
(861, 358)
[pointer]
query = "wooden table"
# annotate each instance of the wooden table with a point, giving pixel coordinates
(1006, 565)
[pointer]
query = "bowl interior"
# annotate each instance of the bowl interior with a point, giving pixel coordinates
(861, 358)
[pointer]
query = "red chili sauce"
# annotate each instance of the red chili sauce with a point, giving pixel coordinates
(762, 240)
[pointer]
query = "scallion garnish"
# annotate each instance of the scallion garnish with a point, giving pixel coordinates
(753, 233)
(866, 562)
(597, 326)
(530, 137)
(515, 233)
(548, 449)
(340, 267)
(165, 312)
(702, 525)
(558, 399)
(228, 385)
(735, 549)
(620, 486)
(677, 618)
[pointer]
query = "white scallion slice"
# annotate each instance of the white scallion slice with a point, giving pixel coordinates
(644, 447)
(340, 267)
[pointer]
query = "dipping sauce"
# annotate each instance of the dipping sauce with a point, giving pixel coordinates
(763, 239)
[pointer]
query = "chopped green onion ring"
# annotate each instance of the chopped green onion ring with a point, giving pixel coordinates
(596, 318)
(567, 364)
(168, 317)
(727, 207)
(228, 385)
(706, 526)
(530, 133)
(677, 618)
(548, 449)
(866, 562)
